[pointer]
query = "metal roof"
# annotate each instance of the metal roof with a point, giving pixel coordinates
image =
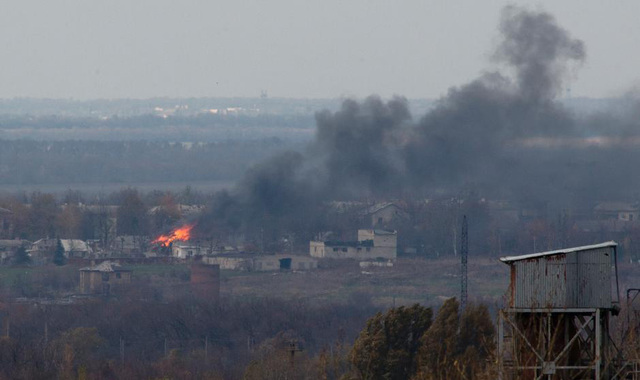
(106, 266)
(509, 259)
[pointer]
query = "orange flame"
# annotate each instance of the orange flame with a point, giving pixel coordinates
(182, 233)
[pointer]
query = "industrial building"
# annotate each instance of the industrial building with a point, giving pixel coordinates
(371, 245)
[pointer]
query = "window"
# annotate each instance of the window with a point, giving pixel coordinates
(335, 250)
(105, 276)
(630, 216)
(359, 249)
(118, 275)
(344, 249)
(368, 249)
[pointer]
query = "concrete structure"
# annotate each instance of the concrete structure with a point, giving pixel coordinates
(103, 278)
(381, 214)
(261, 263)
(556, 323)
(371, 245)
(184, 250)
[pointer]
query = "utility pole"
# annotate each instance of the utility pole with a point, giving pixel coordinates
(293, 348)
(464, 252)
(121, 351)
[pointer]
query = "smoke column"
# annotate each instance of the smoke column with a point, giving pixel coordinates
(503, 135)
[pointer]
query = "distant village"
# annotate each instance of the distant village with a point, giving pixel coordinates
(373, 233)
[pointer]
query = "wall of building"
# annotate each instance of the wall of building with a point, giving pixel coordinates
(317, 249)
(385, 215)
(381, 239)
(572, 280)
(353, 252)
(184, 251)
(92, 282)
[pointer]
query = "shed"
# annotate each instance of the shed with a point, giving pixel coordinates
(571, 278)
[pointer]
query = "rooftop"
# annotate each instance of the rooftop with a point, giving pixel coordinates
(106, 266)
(509, 259)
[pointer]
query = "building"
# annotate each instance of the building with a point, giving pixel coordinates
(6, 223)
(103, 278)
(44, 248)
(262, 263)
(625, 211)
(382, 214)
(129, 245)
(76, 248)
(556, 322)
(371, 245)
(184, 250)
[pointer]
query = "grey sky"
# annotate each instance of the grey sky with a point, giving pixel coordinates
(292, 48)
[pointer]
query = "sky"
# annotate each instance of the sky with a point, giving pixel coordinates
(89, 49)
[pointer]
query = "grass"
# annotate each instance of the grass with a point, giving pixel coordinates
(9, 274)
(408, 282)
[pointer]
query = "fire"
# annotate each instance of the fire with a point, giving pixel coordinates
(182, 233)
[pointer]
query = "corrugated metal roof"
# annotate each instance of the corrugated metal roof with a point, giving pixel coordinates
(509, 259)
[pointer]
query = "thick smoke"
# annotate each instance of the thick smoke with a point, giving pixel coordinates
(502, 135)
(474, 135)
(539, 50)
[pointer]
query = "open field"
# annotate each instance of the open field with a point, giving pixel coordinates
(409, 281)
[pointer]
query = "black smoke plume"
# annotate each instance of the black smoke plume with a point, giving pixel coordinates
(503, 135)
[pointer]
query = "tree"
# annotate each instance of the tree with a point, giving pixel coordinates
(69, 222)
(387, 347)
(58, 254)
(22, 257)
(132, 214)
(457, 348)
(42, 216)
(440, 344)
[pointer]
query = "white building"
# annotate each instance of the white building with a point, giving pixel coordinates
(184, 250)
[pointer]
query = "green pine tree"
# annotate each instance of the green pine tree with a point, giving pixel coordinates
(58, 254)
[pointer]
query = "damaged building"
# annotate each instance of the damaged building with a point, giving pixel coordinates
(371, 245)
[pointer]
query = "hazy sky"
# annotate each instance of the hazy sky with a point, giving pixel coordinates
(292, 48)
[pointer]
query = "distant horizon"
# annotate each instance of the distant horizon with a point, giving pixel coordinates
(314, 50)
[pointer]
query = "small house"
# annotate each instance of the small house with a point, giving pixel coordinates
(381, 214)
(103, 278)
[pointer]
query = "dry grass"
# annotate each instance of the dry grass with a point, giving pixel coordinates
(408, 282)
